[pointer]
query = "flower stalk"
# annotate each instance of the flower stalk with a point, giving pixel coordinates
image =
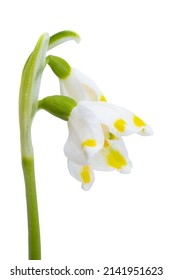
(32, 209)
(28, 101)
(28, 107)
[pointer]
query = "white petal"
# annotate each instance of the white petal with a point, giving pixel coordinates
(83, 174)
(113, 156)
(133, 123)
(79, 87)
(120, 121)
(74, 152)
(92, 92)
(72, 88)
(105, 115)
(85, 135)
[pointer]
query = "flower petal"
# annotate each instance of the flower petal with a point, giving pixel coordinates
(83, 174)
(85, 135)
(113, 156)
(105, 115)
(80, 87)
(71, 87)
(74, 152)
(133, 123)
(92, 92)
(120, 121)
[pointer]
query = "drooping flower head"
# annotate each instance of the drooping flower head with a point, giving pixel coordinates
(80, 87)
(95, 139)
(73, 83)
(96, 127)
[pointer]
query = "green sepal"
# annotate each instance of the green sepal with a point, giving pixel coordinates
(58, 105)
(59, 66)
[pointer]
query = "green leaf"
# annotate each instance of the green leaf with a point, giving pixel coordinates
(62, 37)
(58, 105)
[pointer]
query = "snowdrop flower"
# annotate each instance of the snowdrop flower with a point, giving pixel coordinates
(95, 126)
(80, 87)
(73, 83)
(95, 139)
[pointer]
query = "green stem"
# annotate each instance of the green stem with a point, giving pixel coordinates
(27, 155)
(28, 101)
(28, 106)
(32, 209)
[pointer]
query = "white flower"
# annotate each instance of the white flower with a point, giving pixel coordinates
(95, 126)
(95, 139)
(80, 87)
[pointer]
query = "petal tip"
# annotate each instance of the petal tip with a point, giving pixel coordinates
(146, 131)
(86, 187)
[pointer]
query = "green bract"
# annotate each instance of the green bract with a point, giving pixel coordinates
(62, 37)
(59, 66)
(29, 91)
(57, 105)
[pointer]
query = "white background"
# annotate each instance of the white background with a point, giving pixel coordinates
(124, 220)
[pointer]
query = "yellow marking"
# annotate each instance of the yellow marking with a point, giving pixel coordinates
(115, 159)
(138, 122)
(112, 136)
(102, 98)
(89, 143)
(106, 144)
(120, 125)
(85, 174)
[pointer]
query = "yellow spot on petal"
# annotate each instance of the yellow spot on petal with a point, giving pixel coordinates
(106, 144)
(115, 159)
(112, 136)
(102, 98)
(85, 174)
(138, 122)
(120, 125)
(89, 143)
